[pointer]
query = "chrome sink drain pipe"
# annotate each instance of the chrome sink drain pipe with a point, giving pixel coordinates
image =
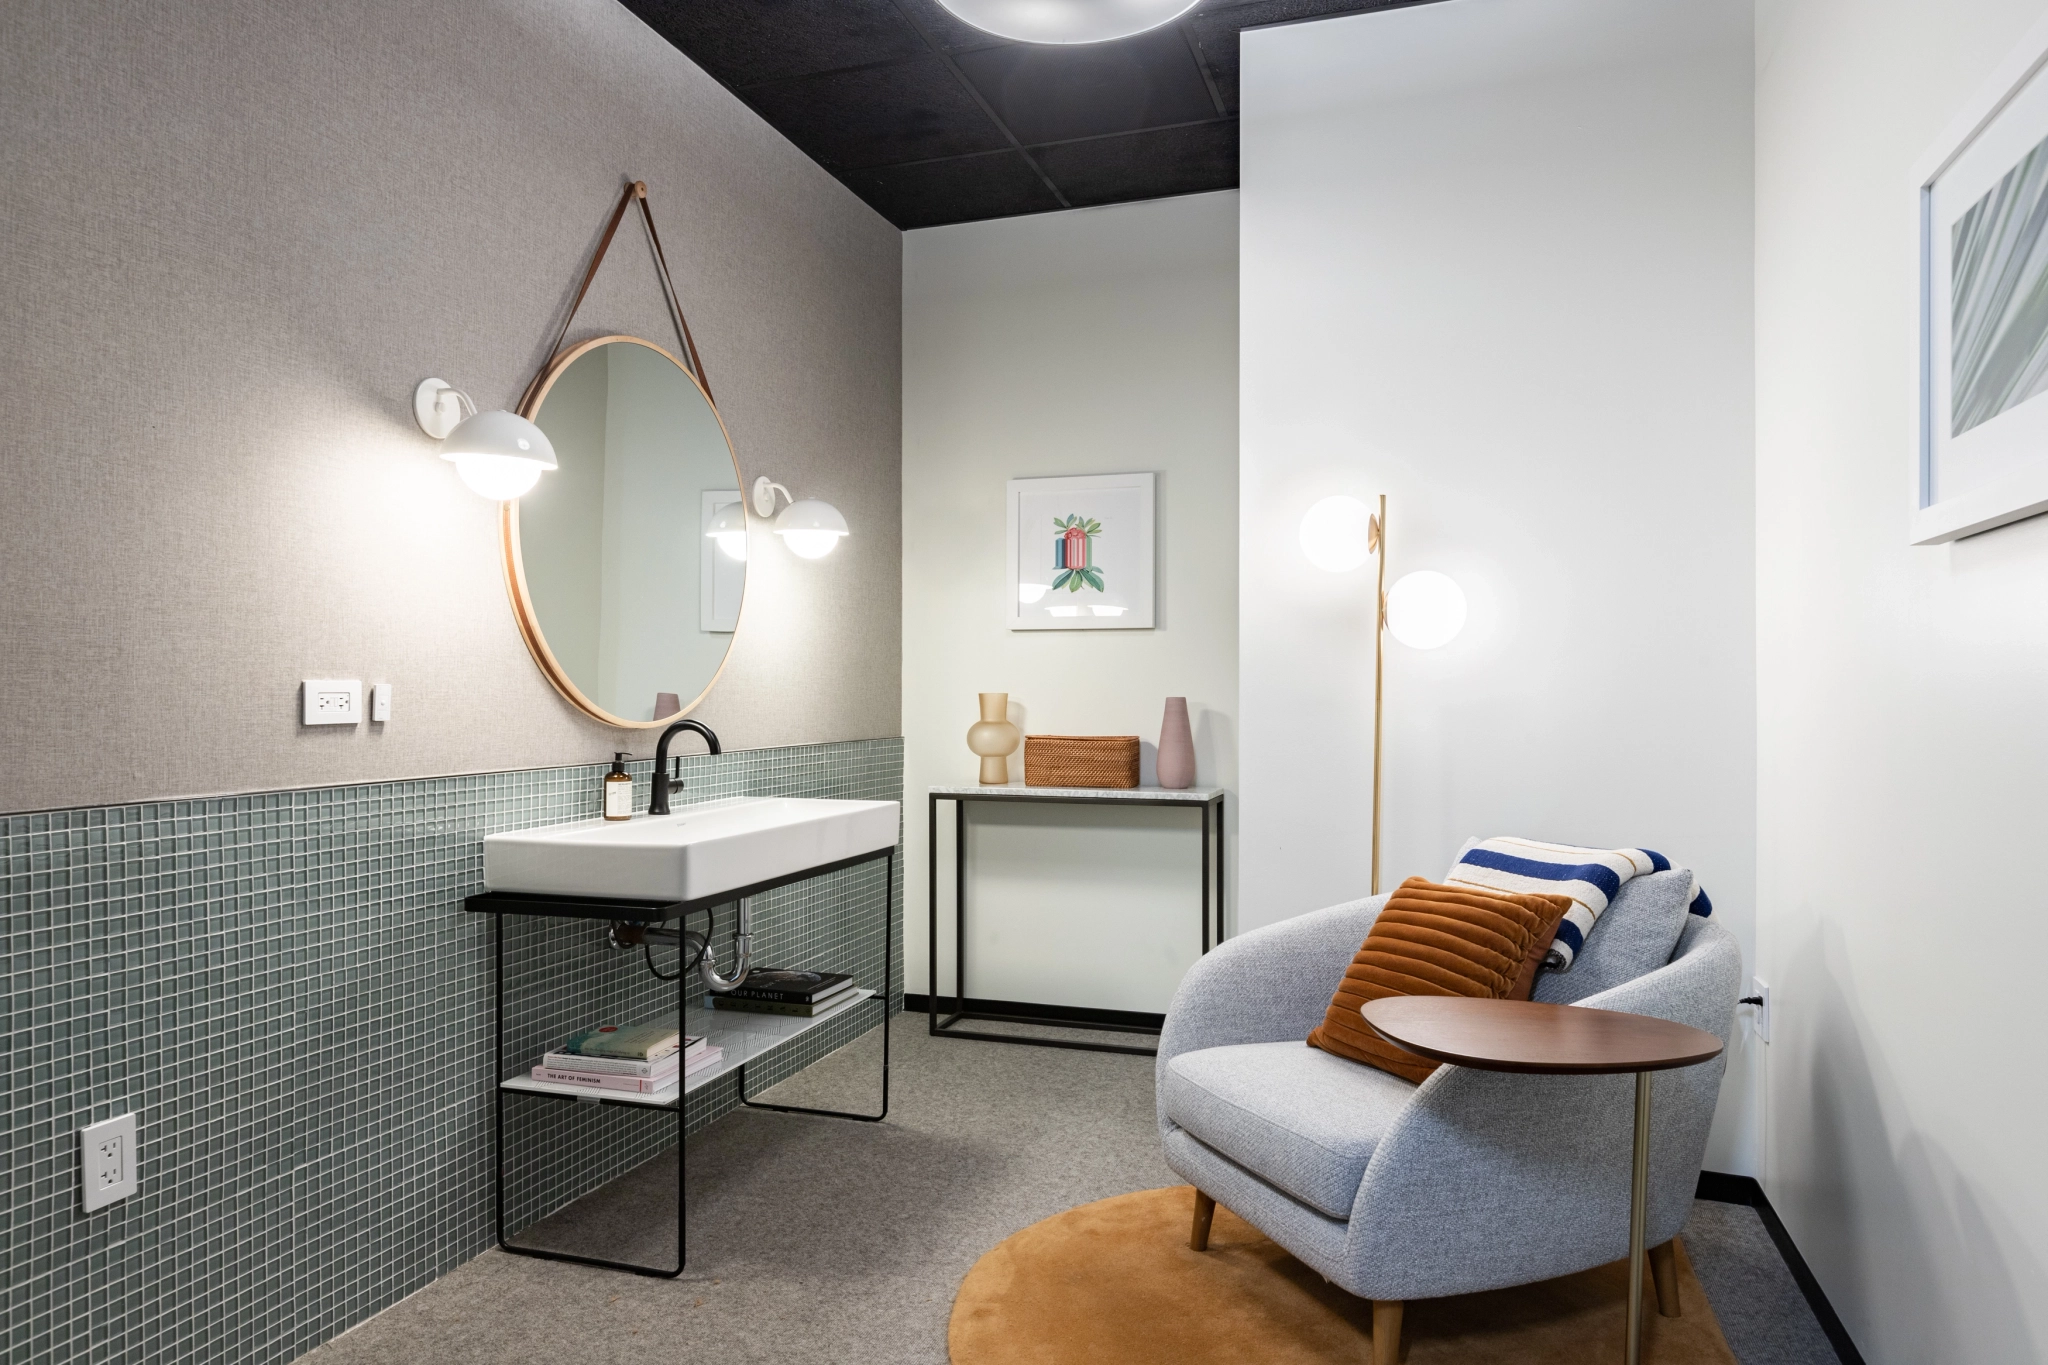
(697, 947)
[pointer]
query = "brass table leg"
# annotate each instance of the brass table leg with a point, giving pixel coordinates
(1638, 1212)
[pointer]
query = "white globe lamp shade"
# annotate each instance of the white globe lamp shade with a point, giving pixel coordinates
(1067, 21)
(500, 455)
(1336, 535)
(729, 529)
(1425, 610)
(810, 528)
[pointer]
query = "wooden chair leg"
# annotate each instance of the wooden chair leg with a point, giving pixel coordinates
(1386, 1331)
(1205, 1214)
(1664, 1274)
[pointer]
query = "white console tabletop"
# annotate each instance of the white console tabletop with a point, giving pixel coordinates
(1018, 791)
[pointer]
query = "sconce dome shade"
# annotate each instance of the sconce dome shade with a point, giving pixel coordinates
(811, 529)
(729, 529)
(500, 433)
(1067, 21)
(1425, 610)
(1336, 534)
(500, 455)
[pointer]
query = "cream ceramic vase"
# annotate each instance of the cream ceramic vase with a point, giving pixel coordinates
(993, 738)
(1176, 747)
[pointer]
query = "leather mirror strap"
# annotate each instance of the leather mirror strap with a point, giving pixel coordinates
(636, 190)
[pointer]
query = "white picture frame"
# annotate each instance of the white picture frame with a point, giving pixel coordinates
(1108, 536)
(721, 579)
(1980, 461)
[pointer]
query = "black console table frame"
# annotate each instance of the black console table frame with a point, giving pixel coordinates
(1211, 807)
(499, 904)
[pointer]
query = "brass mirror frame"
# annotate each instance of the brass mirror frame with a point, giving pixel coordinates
(515, 567)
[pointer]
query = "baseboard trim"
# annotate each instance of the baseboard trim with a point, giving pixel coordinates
(1027, 1012)
(1723, 1188)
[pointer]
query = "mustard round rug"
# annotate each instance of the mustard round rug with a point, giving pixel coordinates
(1114, 1283)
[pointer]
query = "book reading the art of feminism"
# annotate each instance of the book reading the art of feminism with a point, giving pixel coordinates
(655, 1058)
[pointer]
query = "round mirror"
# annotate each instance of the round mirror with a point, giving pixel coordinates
(628, 563)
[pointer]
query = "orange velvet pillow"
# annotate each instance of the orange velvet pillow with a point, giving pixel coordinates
(1437, 940)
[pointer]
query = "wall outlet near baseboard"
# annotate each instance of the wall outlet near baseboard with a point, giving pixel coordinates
(1762, 1020)
(106, 1162)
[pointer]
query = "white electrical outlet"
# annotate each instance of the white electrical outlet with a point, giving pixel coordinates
(380, 703)
(1763, 1011)
(333, 701)
(106, 1162)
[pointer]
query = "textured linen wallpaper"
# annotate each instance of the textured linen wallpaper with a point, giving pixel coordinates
(239, 233)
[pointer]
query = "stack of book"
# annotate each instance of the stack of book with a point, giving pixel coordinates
(644, 1059)
(778, 990)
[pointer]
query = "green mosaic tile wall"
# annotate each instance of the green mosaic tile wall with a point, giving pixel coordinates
(285, 989)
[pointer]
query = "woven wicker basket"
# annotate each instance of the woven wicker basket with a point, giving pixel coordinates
(1080, 760)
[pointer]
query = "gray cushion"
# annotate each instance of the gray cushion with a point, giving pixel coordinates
(1293, 1115)
(1637, 933)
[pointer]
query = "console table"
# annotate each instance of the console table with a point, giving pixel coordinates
(1209, 800)
(1555, 1040)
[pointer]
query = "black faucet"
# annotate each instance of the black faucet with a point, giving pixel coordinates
(657, 800)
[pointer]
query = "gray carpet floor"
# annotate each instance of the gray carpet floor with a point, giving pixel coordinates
(815, 1240)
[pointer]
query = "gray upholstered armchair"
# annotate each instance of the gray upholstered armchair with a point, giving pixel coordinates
(1472, 1180)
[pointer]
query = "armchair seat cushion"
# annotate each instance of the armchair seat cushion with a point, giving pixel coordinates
(1298, 1118)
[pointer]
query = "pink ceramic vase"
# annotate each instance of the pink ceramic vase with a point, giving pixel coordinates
(1176, 747)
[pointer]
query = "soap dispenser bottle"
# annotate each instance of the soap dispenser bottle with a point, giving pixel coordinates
(618, 790)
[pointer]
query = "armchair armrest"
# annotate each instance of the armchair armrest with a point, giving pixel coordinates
(1268, 985)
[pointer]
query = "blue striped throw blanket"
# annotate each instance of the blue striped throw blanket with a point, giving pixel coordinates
(1592, 877)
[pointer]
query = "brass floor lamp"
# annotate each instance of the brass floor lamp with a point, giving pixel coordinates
(1425, 610)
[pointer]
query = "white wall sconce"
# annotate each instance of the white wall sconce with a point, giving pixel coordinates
(500, 455)
(729, 528)
(1067, 21)
(1426, 609)
(810, 528)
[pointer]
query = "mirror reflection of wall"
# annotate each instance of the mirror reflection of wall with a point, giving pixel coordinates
(631, 594)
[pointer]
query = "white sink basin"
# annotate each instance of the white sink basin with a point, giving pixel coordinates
(697, 852)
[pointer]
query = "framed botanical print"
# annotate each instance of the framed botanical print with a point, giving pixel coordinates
(1080, 553)
(1980, 448)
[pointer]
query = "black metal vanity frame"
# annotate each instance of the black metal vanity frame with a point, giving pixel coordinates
(1211, 807)
(499, 904)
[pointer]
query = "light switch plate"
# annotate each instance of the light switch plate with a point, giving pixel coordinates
(333, 701)
(380, 703)
(107, 1168)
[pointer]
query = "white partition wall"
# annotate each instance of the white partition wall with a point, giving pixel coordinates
(1496, 263)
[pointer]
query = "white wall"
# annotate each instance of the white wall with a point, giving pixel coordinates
(1497, 265)
(1098, 341)
(1902, 735)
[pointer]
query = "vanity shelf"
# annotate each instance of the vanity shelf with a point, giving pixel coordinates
(745, 1037)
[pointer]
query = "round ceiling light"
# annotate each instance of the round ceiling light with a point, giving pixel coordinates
(1067, 21)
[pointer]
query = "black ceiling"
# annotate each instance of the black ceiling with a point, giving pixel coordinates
(933, 121)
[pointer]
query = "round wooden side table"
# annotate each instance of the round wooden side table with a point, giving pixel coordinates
(1555, 1040)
